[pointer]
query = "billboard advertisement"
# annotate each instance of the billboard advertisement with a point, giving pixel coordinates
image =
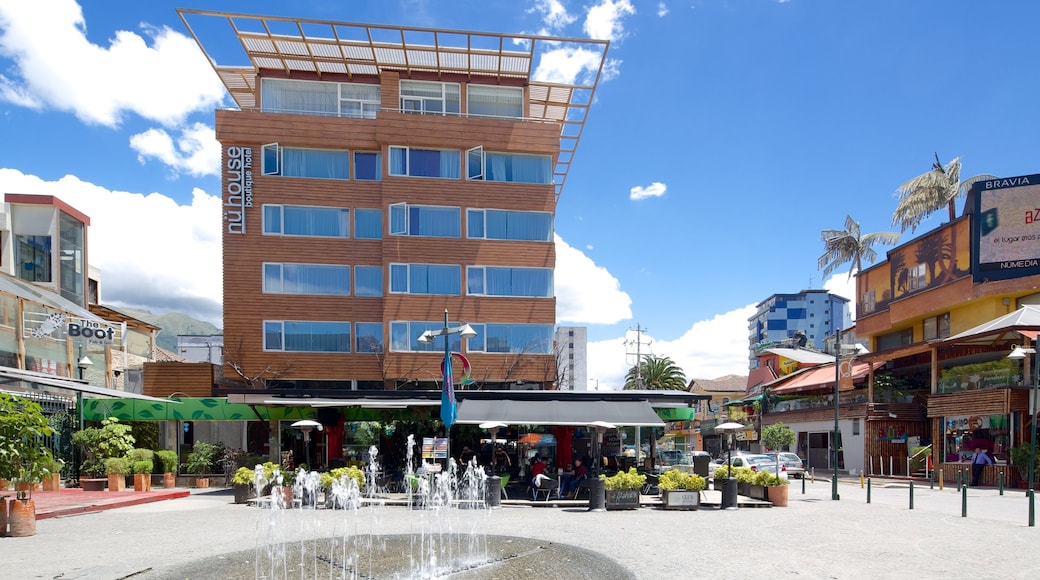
(1006, 228)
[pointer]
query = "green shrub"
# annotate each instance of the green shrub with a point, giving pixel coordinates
(168, 459)
(142, 466)
(200, 460)
(243, 476)
(624, 480)
(117, 466)
(352, 472)
(113, 439)
(742, 474)
(675, 479)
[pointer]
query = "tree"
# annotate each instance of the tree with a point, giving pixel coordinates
(776, 437)
(656, 373)
(927, 193)
(849, 245)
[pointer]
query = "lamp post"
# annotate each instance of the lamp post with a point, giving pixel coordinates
(306, 425)
(1023, 353)
(838, 347)
(465, 332)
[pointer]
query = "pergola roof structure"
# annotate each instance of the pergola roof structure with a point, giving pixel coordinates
(327, 47)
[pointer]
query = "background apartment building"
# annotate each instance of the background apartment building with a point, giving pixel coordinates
(812, 314)
(372, 185)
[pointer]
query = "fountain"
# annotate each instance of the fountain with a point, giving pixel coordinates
(448, 535)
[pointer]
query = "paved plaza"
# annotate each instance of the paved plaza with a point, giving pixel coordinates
(814, 537)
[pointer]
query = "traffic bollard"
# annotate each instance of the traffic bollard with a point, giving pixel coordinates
(803, 484)
(1000, 482)
(911, 495)
(931, 479)
(964, 502)
(861, 480)
(940, 481)
(868, 490)
(1032, 508)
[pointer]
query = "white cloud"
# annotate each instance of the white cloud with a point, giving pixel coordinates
(153, 253)
(604, 20)
(655, 189)
(709, 349)
(196, 151)
(662, 9)
(587, 293)
(554, 15)
(567, 65)
(842, 285)
(58, 67)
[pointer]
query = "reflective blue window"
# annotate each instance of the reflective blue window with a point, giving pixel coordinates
(293, 220)
(307, 279)
(368, 224)
(369, 337)
(368, 281)
(426, 279)
(519, 282)
(512, 338)
(493, 224)
(307, 336)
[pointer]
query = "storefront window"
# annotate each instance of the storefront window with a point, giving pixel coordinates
(962, 434)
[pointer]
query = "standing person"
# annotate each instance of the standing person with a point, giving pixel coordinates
(979, 461)
(502, 461)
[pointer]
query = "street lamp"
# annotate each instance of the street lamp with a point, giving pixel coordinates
(1020, 353)
(448, 391)
(729, 485)
(838, 347)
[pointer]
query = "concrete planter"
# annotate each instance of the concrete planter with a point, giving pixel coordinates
(622, 499)
(778, 495)
(680, 499)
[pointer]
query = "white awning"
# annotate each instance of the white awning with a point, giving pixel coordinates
(554, 412)
(29, 381)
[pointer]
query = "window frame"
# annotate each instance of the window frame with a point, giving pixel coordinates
(395, 230)
(408, 278)
(281, 220)
(281, 268)
(366, 268)
(282, 334)
(407, 149)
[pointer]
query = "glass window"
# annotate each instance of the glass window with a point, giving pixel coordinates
(518, 282)
(71, 268)
(517, 168)
(368, 165)
(404, 337)
(494, 224)
(512, 338)
(962, 433)
(33, 257)
(307, 336)
(416, 162)
(307, 279)
(291, 220)
(419, 220)
(426, 279)
(368, 224)
(937, 326)
(315, 163)
(369, 337)
(429, 98)
(321, 98)
(368, 281)
(491, 101)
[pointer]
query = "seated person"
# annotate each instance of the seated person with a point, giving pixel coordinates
(538, 476)
(580, 473)
(566, 477)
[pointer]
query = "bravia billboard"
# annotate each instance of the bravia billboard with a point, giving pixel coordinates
(1006, 228)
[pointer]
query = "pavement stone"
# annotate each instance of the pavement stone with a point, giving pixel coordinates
(814, 537)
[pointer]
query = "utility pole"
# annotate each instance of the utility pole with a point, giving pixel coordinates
(638, 342)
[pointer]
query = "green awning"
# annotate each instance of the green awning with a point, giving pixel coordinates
(676, 413)
(189, 409)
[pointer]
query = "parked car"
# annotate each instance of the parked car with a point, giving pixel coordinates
(793, 463)
(723, 457)
(756, 463)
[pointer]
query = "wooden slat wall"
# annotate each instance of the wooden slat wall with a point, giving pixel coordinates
(889, 456)
(163, 379)
(245, 305)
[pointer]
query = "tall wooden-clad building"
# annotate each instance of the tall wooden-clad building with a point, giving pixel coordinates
(375, 177)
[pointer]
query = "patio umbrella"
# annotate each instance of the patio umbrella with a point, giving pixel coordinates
(530, 439)
(547, 439)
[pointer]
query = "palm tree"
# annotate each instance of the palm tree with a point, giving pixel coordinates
(656, 373)
(848, 245)
(927, 193)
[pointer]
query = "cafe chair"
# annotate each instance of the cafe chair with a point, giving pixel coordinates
(548, 486)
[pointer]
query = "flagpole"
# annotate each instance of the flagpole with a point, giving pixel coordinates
(446, 393)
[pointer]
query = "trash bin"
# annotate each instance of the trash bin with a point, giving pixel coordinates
(729, 493)
(598, 495)
(493, 492)
(700, 465)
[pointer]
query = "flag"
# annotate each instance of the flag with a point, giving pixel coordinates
(448, 404)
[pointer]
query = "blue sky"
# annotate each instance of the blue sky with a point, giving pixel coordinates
(729, 134)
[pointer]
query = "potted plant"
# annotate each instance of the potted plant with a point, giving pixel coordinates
(200, 462)
(1020, 459)
(284, 492)
(243, 483)
(23, 428)
(141, 464)
(680, 491)
(777, 437)
(169, 462)
(53, 466)
(116, 469)
(112, 439)
(622, 489)
(776, 489)
(759, 482)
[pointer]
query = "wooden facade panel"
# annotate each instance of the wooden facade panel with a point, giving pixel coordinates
(462, 133)
(165, 379)
(984, 401)
(257, 128)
